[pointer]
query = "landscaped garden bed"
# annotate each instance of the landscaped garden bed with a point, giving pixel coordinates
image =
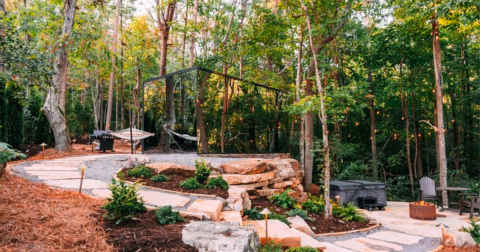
(172, 183)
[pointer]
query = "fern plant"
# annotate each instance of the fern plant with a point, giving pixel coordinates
(280, 217)
(202, 172)
(473, 230)
(350, 213)
(217, 182)
(159, 178)
(299, 212)
(190, 184)
(7, 154)
(302, 249)
(314, 205)
(283, 200)
(140, 171)
(271, 246)
(166, 216)
(253, 214)
(124, 203)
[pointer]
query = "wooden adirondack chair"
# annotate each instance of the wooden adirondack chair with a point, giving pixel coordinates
(472, 204)
(428, 192)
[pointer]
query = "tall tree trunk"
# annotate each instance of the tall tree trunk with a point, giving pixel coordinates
(63, 92)
(51, 107)
(323, 119)
(112, 73)
(418, 166)
(437, 63)
(404, 99)
(191, 59)
(373, 126)
(224, 111)
(298, 83)
(136, 89)
(200, 123)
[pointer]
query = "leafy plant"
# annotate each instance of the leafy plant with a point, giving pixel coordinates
(159, 178)
(254, 214)
(298, 212)
(350, 213)
(202, 172)
(217, 182)
(124, 203)
(140, 171)
(473, 230)
(7, 154)
(190, 184)
(271, 246)
(166, 216)
(280, 217)
(314, 205)
(302, 249)
(283, 200)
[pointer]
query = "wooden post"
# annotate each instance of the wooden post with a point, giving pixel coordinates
(81, 180)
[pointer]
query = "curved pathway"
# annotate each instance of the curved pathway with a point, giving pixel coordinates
(399, 232)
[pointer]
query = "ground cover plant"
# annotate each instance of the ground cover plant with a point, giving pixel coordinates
(283, 200)
(217, 182)
(190, 184)
(124, 203)
(159, 178)
(140, 171)
(166, 216)
(202, 172)
(473, 230)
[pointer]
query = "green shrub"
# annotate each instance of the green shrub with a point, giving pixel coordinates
(314, 205)
(302, 249)
(217, 182)
(190, 184)
(271, 246)
(124, 203)
(7, 154)
(140, 171)
(298, 212)
(166, 216)
(283, 200)
(253, 214)
(159, 178)
(474, 230)
(350, 213)
(280, 217)
(202, 172)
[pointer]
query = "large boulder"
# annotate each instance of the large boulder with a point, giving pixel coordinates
(172, 168)
(134, 161)
(220, 237)
(249, 166)
(299, 224)
(455, 238)
(235, 179)
(281, 167)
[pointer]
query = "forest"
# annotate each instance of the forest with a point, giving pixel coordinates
(384, 90)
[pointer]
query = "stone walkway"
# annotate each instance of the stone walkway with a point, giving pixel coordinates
(399, 232)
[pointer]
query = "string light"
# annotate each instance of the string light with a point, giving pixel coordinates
(357, 123)
(403, 118)
(395, 136)
(378, 112)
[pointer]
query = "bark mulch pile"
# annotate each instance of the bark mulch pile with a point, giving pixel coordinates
(318, 224)
(35, 217)
(453, 249)
(173, 184)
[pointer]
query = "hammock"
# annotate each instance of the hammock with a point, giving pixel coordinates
(135, 136)
(184, 136)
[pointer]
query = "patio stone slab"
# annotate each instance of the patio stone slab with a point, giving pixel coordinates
(334, 248)
(102, 193)
(75, 183)
(210, 207)
(392, 236)
(306, 240)
(60, 176)
(50, 168)
(163, 199)
(52, 173)
(281, 233)
(356, 245)
(380, 243)
(230, 216)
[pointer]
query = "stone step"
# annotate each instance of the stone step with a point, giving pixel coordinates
(306, 240)
(330, 247)
(210, 207)
(75, 183)
(163, 199)
(392, 236)
(380, 243)
(259, 229)
(235, 179)
(251, 187)
(230, 216)
(281, 233)
(355, 245)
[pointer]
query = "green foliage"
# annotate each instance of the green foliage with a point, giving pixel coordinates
(124, 203)
(302, 249)
(217, 182)
(159, 178)
(7, 153)
(190, 184)
(271, 246)
(140, 171)
(350, 213)
(283, 200)
(473, 230)
(299, 212)
(314, 205)
(254, 214)
(280, 217)
(202, 172)
(166, 216)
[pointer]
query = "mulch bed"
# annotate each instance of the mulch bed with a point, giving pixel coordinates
(145, 234)
(319, 224)
(453, 249)
(173, 184)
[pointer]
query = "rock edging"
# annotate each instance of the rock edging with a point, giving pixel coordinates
(349, 232)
